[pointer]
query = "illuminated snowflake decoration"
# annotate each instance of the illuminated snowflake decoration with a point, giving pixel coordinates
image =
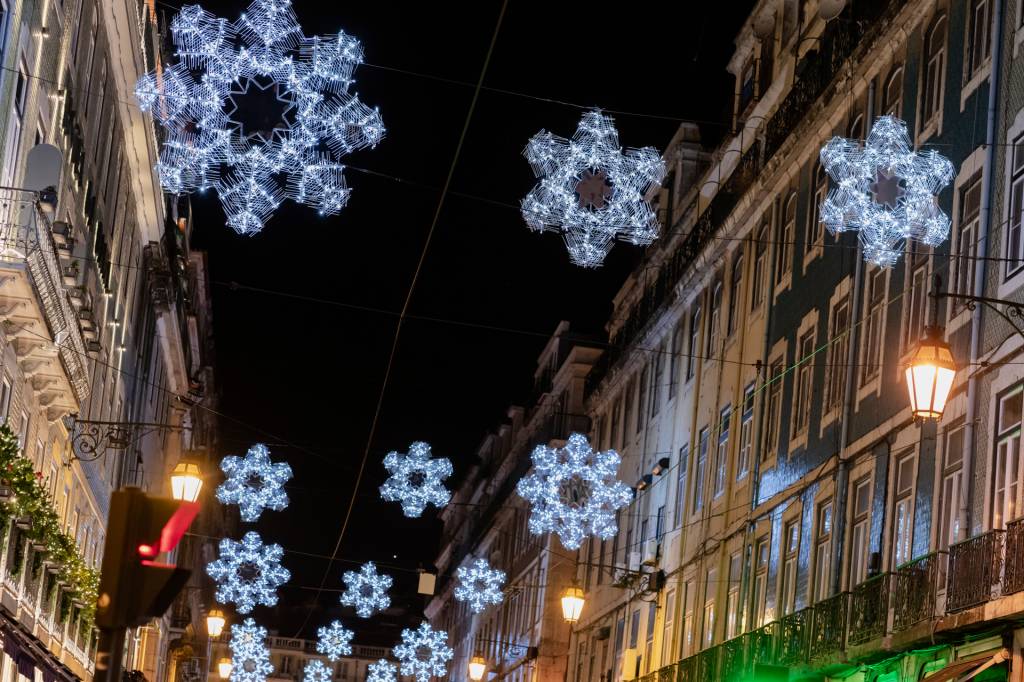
(254, 483)
(480, 585)
(366, 590)
(381, 671)
(250, 658)
(258, 111)
(416, 480)
(885, 191)
(248, 572)
(574, 492)
(591, 190)
(424, 653)
(334, 641)
(316, 671)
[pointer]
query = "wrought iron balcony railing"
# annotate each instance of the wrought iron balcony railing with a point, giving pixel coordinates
(1013, 568)
(975, 566)
(915, 588)
(828, 630)
(869, 609)
(793, 634)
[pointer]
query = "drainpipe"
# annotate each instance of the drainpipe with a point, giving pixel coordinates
(984, 220)
(842, 466)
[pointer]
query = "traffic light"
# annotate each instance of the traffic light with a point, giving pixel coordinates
(134, 586)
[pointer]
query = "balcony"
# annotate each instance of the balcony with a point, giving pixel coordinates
(975, 565)
(869, 609)
(1013, 570)
(35, 312)
(828, 633)
(915, 590)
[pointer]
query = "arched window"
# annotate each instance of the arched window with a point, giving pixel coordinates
(856, 129)
(787, 233)
(814, 224)
(735, 291)
(892, 93)
(934, 69)
(759, 255)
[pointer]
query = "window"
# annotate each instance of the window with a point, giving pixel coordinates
(856, 129)
(684, 456)
(791, 548)
(689, 595)
(823, 552)
(694, 349)
(979, 44)
(21, 89)
(673, 366)
(666, 647)
(967, 239)
(641, 396)
(762, 550)
(934, 67)
(699, 473)
(5, 399)
(774, 411)
(616, 409)
(746, 87)
(746, 434)
(814, 224)
(916, 293)
(804, 378)
(627, 411)
(652, 615)
(23, 431)
(892, 94)
(735, 293)
(1014, 237)
(874, 326)
(838, 352)
(903, 510)
(949, 503)
(710, 585)
(784, 248)
(658, 379)
(659, 524)
(722, 454)
(859, 531)
(634, 629)
(758, 276)
(732, 598)
(1006, 504)
(715, 321)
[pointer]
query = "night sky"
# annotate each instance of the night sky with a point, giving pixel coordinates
(300, 365)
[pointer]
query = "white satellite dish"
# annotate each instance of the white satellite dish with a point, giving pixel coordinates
(830, 9)
(42, 168)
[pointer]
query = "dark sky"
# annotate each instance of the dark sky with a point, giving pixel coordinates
(309, 372)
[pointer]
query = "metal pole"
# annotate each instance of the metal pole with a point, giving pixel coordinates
(109, 654)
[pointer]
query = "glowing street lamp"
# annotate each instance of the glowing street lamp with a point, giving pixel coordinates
(215, 621)
(186, 480)
(572, 602)
(930, 375)
(224, 668)
(477, 668)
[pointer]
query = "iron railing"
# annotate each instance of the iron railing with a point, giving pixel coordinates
(734, 661)
(915, 587)
(828, 629)
(975, 565)
(1013, 563)
(792, 640)
(869, 609)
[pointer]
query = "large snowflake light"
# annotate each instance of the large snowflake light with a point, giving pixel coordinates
(574, 491)
(258, 111)
(480, 585)
(248, 572)
(334, 641)
(366, 590)
(885, 190)
(254, 483)
(381, 671)
(424, 652)
(415, 479)
(316, 671)
(250, 658)
(591, 190)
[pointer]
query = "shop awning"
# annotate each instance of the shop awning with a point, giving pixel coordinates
(968, 667)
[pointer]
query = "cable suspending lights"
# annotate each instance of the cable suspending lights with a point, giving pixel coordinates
(416, 479)
(591, 190)
(248, 572)
(885, 191)
(573, 491)
(366, 590)
(295, 151)
(254, 483)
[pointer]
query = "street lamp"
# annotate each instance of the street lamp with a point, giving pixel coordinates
(930, 375)
(224, 668)
(215, 621)
(186, 480)
(477, 668)
(572, 602)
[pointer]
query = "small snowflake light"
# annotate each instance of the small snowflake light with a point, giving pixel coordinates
(381, 671)
(248, 572)
(250, 658)
(885, 191)
(480, 585)
(254, 483)
(574, 492)
(424, 652)
(316, 671)
(416, 479)
(334, 641)
(366, 590)
(258, 111)
(591, 190)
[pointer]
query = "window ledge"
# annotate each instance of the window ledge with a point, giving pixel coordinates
(816, 251)
(981, 74)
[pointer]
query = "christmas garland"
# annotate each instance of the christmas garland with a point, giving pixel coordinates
(30, 498)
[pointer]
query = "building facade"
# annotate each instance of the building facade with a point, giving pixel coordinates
(105, 341)
(289, 656)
